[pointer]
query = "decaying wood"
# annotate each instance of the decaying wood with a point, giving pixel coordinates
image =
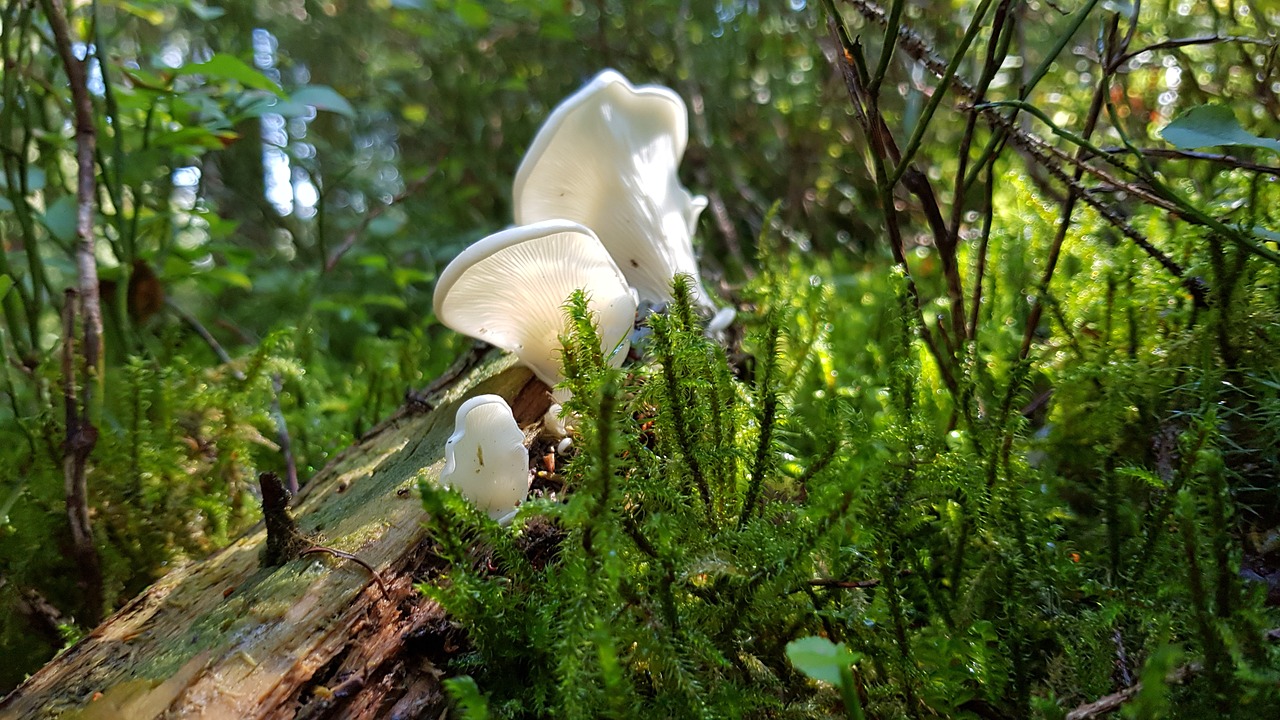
(1116, 700)
(316, 637)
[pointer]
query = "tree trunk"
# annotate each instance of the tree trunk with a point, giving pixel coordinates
(316, 637)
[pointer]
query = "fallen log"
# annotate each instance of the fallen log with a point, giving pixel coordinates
(315, 637)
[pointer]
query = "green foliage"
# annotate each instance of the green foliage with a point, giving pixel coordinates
(1074, 493)
(828, 662)
(1210, 126)
(657, 585)
(218, 350)
(968, 579)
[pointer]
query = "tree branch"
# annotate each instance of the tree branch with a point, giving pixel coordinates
(82, 435)
(1111, 703)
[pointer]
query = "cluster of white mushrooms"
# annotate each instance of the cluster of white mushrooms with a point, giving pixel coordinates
(599, 208)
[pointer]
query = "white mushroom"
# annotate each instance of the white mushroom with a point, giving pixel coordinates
(606, 157)
(554, 421)
(721, 321)
(485, 459)
(509, 290)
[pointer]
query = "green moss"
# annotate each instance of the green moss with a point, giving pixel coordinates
(700, 532)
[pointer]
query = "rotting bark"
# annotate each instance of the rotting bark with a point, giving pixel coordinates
(284, 540)
(316, 637)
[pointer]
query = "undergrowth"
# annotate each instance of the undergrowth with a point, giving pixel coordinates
(175, 467)
(977, 564)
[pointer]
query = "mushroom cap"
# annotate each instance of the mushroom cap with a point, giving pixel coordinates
(509, 289)
(606, 157)
(485, 458)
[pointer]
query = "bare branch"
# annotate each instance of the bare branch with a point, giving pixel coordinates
(1223, 159)
(1186, 42)
(86, 190)
(1113, 702)
(81, 412)
(1042, 152)
(81, 438)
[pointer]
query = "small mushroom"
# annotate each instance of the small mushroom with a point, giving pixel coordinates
(606, 157)
(485, 459)
(554, 421)
(509, 290)
(721, 321)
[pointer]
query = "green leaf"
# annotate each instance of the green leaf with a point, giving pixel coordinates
(190, 138)
(6, 282)
(472, 13)
(145, 80)
(151, 15)
(1142, 475)
(1211, 126)
(414, 113)
(234, 278)
(35, 180)
(819, 658)
(390, 301)
(204, 12)
(252, 104)
(1264, 233)
(403, 276)
(323, 97)
(1154, 701)
(230, 67)
(60, 218)
(386, 224)
(464, 691)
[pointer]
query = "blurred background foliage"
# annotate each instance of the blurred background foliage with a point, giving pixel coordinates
(280, 182)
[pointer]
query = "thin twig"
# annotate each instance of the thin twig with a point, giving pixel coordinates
(997, 48)
(1151, 189)
(354, 235)
(940, 92)
(1135, 9)
(1185, 42)
(1114, 701)
(425, 399)
(1040, 151)
(988, 215)
(845, 584)
(203, 332)
(41, 615)
(282, 433)
(884, 150)
(886, 48)
(81, 437)
(1193, 285)
(1064, 219)
(1223, 159)
(377, 577)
